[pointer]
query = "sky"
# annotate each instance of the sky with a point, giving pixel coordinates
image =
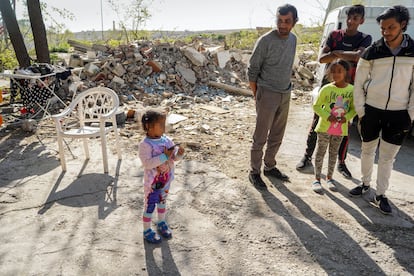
(192, 15)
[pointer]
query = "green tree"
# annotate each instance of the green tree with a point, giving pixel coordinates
(16, 37)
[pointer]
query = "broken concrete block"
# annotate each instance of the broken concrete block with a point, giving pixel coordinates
(195, 57)
(118, 80)
(187, 74)
(223, 57)
(75, 61)
(237, 56)
(312, 65)
(166, 48)
(175, 118)
(119, 70)
(91, 54)
(305, 73)
(91, 69)
(138, 56)
(162, 78)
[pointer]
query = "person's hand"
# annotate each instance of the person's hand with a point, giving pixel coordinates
(339, 119)
(332, 119)
(180, 150)
(253, 87)
(168, 152)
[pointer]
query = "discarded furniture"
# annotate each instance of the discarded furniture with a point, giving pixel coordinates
(38, 86)
(36, 91)
(92, 114)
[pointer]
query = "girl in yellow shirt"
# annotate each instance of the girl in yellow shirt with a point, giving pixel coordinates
(335, 108)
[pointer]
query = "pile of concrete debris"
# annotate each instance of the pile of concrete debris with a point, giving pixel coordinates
(144, 70)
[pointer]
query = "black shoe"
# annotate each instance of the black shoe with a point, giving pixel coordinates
(276, 173)
(344, 170)
(257, 181)
(382, 203)
(359, 190)
(303, 163)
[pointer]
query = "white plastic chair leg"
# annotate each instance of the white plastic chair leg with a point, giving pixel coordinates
(86, 148)
(61, 153)
(104, 154)
(117, 141)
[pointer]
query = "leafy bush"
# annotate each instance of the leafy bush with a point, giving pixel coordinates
(61, 48)
(113, 43)
(243, 40)
(8, 60)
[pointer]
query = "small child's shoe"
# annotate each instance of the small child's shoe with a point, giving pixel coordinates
(151, 237)
(331, 184)
(164, 230)
(317, 187)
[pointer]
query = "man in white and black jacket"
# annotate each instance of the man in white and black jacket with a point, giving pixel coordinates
(384, 100)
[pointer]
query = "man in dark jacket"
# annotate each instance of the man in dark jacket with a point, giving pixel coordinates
(384, 100)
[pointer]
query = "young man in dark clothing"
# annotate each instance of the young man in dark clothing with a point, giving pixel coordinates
(384, 101)
(346, 44)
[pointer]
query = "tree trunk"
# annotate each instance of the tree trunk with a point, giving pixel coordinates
(39, 31)
(16, 37)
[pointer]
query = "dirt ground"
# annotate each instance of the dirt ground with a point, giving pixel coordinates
(85, 222)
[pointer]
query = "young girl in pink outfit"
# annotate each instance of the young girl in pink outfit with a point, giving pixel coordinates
(157, 153)
(335, 109)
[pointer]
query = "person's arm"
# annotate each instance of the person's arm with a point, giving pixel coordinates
(253, 87)
(326, 55)
(145, 154)
(255, 66)
(320, 102)
(349, 55)
(361, 76)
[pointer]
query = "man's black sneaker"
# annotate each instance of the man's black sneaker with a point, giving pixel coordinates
(303, 163)
(359, 190)
(274, 172)
(382, 203)
(257, 181)
(344, 170)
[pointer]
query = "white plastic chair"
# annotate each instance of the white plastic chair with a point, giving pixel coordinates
(91, 114)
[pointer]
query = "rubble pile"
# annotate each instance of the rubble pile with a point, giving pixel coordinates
(149, 72)
(144, 68)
